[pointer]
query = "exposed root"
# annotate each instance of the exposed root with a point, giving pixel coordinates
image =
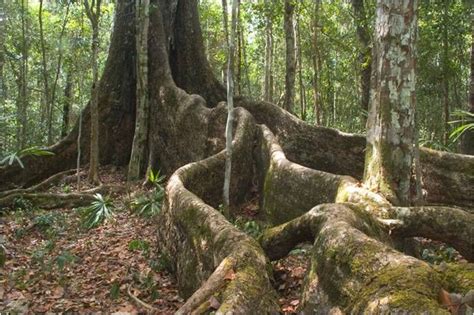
(58, 200)
(351, 269)
(44, 185)
(140, 302)
(449, 225)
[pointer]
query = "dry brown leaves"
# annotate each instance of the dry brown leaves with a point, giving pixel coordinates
(64, 268)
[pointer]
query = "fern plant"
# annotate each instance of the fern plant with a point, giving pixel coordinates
(10, 158)
(100, 210)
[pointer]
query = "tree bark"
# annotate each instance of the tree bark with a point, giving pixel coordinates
(467, 140)
(299, 55)
(446, 73)
(315, 59)
(290, 75)
(66, 105)
(93, 13)
(391, 133)
(365, 55)
(138, 154)
(268, 77)
(230, 107)
(46, 91)
(22, 106)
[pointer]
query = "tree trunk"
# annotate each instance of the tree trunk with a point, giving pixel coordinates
(47, 96)
(315, 59)
(467, 140)
(66, 105)
(365, 56)
(138, 154)
(268, 76)
(391, 136)
(446, 73)
(300, 71)
(22, 120)
(290, 75)
(93, 13)
(230, 108)
(2, 51)
(300, 173)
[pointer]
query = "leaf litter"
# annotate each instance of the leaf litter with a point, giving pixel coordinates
(54, 265)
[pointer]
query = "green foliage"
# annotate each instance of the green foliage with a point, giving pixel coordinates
(438, 255)
(250, 227)
(139, 245)
(10, 158)
(115, 290)
(64, 259)
(149, 204)
(21, 204)
(466, 121)
(100, 210)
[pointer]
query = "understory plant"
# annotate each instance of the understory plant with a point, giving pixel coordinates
(16, 156)
(100, 210)
(149, 204)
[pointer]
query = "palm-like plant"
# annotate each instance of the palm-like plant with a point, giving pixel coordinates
(149, 204)
(101, 209)
(467, 123)
(18, 155)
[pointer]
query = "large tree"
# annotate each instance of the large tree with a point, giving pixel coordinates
(307, 179)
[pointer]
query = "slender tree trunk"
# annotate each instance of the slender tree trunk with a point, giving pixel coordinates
(225, 26)
(137, 158)
(238, 68)
(365, 55)
(268, 77)
(94, 16)
(230, 108)
(446, 73)
(47, 98)
(66, 105)
(2, 52)
(467, 140)
(315, 60)
(56, 78)
(300, 70)
(23, 99)
(289, 101)
(391, 134)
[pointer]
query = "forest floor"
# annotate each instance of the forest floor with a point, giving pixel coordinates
(54, 264)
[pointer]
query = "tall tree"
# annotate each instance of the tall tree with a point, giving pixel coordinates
(230, 107)
(446, 70)
(45, 71)
(467, 140)
(268, 75)
(93, 13)
(316, 64)
(67, 100)
(137, 158)
(391, 124)
(299, 55)
(365, 58)
(290, 55)
(2, 50)
(22, 102)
